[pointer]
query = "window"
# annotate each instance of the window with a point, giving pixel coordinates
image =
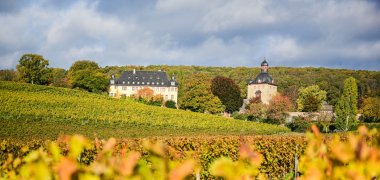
(172, 97)
(166, 97)
(138, 82)
(124, 88)
(123, 82)
(173, 89)
(133, 88)
(163, 89)
(172, 83)
(133, 82)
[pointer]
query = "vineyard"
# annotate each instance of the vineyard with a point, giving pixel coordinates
(41, 112)
(349, 156)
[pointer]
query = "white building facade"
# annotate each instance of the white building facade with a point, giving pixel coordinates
(131, 81)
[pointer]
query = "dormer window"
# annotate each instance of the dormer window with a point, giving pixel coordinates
(123, 82)
(133, 82)
(148, 83)
(138, 82)
(142, 83)
(172, 83)
(162, 83)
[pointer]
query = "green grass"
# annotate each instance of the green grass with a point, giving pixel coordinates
(32, 111)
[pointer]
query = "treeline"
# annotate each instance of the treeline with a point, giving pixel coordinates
(89, 76)
(288, 79)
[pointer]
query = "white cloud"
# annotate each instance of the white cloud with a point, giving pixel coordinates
(284, 48)
(217, 33)
(238, 14)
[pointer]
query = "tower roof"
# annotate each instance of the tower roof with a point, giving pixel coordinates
(263, 77)
(264, 63)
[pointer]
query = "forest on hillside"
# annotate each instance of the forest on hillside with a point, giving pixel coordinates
(288, 79)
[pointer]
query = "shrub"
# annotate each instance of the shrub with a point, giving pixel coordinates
(170, 104)
(299, 124)
(237, 115)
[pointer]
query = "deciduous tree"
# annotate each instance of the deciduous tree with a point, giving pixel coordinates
(58, 77)
(278, 108)
(310, 99)
(8, 75)
(33, 68)
(87, 75)
(228, 92)
(198, 96)
(258, 110)
(346, 108)
(371, 109)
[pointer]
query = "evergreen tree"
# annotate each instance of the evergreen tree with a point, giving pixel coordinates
(228, 92)
(346, 108)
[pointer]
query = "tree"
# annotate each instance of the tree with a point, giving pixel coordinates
(58, 77)
(278, 108)
(292, 93)
(145, 93)
(310, 99)
(146, 96)
(32, 68)
(87, 75)
(257, 110)
(228, 92)
(198, 97)
(8, 75)
(346, 108)
(371, 109)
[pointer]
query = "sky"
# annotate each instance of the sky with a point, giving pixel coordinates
(294, 33)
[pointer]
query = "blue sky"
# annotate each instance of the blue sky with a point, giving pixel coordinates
(294, 33)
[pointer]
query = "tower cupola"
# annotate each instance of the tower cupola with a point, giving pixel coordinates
(264, 66)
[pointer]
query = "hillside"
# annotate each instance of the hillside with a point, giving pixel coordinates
(32, 111)
(288, 79)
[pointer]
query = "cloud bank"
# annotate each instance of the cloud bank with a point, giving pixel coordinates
(335, 34)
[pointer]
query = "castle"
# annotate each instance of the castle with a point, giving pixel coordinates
(132, 81)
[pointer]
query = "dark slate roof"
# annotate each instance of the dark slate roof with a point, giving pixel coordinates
(263, 78)
(264, 63)
(145, 78)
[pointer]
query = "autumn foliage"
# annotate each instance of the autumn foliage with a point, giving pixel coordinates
(352, 156)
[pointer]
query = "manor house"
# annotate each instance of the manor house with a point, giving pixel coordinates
(131, 81)
(263, 86)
